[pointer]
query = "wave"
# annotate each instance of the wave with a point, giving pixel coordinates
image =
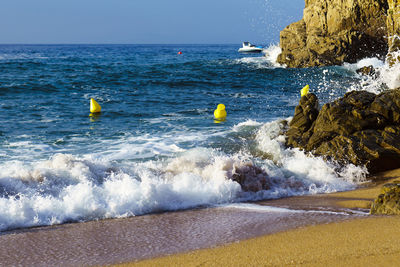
(267, 61)
(272, 53)
(21, 56)
(387, 76)
(68, 187)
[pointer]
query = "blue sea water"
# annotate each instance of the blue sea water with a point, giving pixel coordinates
(155, 146)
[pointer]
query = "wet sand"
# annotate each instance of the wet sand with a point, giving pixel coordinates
(137, 238)
(362, 241)
(151, 236)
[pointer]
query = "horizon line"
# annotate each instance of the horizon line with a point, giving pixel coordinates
(126, 43)
(117, 43)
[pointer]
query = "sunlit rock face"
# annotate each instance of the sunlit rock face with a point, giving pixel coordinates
(393, 28)
(336, 31)
(360, 128)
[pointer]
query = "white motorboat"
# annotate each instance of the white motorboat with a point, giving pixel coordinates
(249, 48)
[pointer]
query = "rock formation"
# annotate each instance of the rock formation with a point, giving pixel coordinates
(336, 31)
(388, 202)
(393, 28)
(361, 128)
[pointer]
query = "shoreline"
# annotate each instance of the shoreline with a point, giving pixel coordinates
(354, 242)
(199, 235)
(358, 242)
(115, 241)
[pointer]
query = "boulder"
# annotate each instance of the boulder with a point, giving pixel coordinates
(305, 115)
(336, 31)
(250, 177)
(388, 202)
(360, 128)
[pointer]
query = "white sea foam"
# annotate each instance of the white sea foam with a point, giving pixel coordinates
(248, 123)
(108, 185)
(387, 76)
(269, 209)
(366, 62)
(255, 62)
(296, 172)
(272, 53)
(242, 95)
(20, 56)
(260, 208)
(391, 74)
(67, 188)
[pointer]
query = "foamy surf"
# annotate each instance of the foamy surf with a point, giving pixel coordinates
(387, 76)
(271, 54)
(255, 62)
(68, 188)
(271, 209)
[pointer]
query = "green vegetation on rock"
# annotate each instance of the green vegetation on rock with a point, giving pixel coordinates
(388, 202)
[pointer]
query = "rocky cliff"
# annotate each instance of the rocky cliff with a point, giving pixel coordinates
(336, 31)
(393, 28)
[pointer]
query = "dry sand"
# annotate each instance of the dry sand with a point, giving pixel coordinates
(371, 241)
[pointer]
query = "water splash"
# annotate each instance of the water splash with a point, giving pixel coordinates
(71, 188)
(272, 53)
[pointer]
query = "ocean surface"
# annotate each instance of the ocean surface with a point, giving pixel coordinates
(155, 146)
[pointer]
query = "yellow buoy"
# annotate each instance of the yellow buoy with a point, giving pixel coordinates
(305, 90)
(94, 106)
(220, 112)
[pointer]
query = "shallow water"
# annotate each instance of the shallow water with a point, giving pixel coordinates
(137, 238)
(155, 147)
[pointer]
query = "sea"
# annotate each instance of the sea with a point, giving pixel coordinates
(156, 147)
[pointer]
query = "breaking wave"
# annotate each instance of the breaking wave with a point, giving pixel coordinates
(68, 188)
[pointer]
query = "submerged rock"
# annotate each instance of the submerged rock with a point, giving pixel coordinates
(367, 71)
(361, 128)
(250, 177)
(388, 202)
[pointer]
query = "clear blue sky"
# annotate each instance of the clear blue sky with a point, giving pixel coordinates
(146, 21)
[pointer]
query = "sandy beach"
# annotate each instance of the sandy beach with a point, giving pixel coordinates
(362, 242)
(366, 241)
(327, 229)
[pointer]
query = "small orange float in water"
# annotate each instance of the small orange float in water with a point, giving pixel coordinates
(179, 53)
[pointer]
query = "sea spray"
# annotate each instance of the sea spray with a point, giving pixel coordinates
(303, 173)
(387, 75)
(68, 188)
(272, 53)
(391, 71)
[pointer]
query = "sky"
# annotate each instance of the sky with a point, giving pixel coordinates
(145, 21)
